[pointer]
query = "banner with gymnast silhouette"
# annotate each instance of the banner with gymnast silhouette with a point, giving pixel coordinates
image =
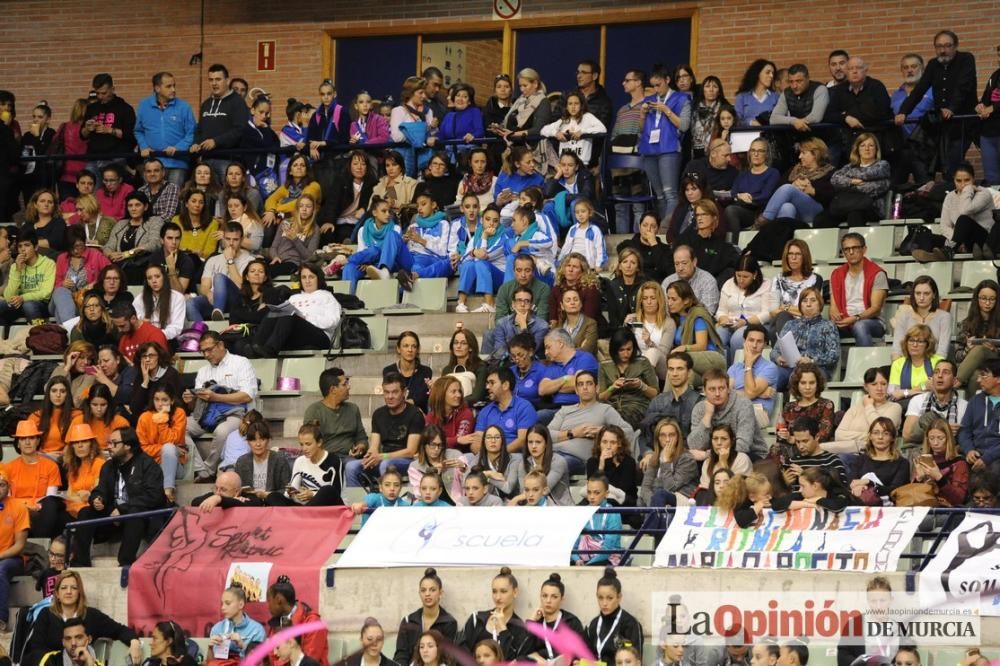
(966, 569)
(862, 538)
(197, 555)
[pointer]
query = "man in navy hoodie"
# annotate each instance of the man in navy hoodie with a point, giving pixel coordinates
(221, 120)
(979, 435)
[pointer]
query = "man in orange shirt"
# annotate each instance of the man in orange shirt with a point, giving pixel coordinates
(34, 479)
(14, 526)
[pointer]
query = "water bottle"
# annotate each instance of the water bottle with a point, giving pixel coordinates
(897, 207)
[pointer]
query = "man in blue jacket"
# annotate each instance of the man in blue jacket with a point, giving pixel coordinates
(979, 435)
(165, 123)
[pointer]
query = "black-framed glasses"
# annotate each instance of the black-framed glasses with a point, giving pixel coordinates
(209, 350)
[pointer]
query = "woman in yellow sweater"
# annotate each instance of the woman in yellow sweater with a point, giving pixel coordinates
(299, 181)
(200, 233)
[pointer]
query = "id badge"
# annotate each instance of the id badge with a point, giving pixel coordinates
(271, 159)
(654, 135)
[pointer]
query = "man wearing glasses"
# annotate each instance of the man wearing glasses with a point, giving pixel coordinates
(130, 482)
(228, 379)
(857, 291)
(14, 524)
(521, 320)
(979, 434)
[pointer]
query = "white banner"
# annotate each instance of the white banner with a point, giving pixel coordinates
(856, 539)
(966, 568)
(467, 536)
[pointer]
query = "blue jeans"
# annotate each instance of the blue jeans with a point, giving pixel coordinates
(663, 172)
(30, 309)
(9, 568)
(177, 176)
(790, 201)
(573, 464)
(384, 256)
(224, 292)
(355, 473)
(478, 276)
(62, 306)
(864, 332)
(989, 146)
(169, 462)
(733, 340)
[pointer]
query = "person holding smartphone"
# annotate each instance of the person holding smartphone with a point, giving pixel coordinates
(78, 368)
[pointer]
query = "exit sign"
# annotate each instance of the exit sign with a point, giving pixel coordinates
(265, 56)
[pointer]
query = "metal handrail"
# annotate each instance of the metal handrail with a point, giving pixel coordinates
(109, 520)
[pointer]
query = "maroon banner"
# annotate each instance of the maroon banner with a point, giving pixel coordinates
(182, 575)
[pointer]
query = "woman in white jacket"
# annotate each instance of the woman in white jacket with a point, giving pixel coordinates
(966, 219)
(744, 299)
(159, 304)
(310, 322)
(574, 124)
(653, 326)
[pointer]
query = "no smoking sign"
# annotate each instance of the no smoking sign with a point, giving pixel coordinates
(505, 10)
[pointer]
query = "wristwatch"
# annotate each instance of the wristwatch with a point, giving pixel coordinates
(569, 434)
(230, 262)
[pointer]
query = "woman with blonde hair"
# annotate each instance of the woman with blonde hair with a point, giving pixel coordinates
(529, 113)
(882, 468)
(911, 373)
(73, 144)
(96, 226)
(654, 328)
(575, 273)
(298, 239)
(942, 464)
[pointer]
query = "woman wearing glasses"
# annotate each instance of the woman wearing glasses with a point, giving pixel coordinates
(77, 271)
(974, 342)
(752, 189)
(911, 372)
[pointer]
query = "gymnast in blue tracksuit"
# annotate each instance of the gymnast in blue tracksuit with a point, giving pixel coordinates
(379, 245)
(527, 237)
(481, 270)
(432, 242)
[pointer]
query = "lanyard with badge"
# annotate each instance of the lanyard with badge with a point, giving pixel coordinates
(555, 627)
(654, 134)
(600, 643)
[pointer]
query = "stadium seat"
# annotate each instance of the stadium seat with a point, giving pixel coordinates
(746, 236)
(427, 295)
(941, 271)
(378, 326)
(305, 368)
(824, 244)
(339, 286)
(266, 370)
(878, 239)
(860, 359)
(378, 294)
(974, 272)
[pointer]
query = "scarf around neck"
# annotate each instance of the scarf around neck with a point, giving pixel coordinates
(478, 184)
(372, 234)
(429, 223)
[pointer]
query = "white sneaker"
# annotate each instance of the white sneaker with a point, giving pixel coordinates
(462, 308)
(485, 307)
(374, 273)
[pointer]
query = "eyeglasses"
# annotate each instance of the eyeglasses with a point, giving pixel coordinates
(853, 248)
(115, 442)
(501, 77)
(918, 341)
(987, 299)
(208, 350)
(151, 354)
(57, 556)
(526, 301)
(757, 151)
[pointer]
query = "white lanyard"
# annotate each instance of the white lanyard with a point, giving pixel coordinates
(548, 646)
(362, 124)
(658, 114)
(599, 644)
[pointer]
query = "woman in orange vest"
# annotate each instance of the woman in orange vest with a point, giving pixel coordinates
(161, 430)
(98, 413)
(34, 480)
(83, 462)
(55, 416)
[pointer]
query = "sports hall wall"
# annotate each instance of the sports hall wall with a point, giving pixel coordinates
(52, 48)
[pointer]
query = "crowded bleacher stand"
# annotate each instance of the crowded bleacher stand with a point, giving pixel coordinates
(821, 297)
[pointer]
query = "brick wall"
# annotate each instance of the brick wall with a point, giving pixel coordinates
(54, 48)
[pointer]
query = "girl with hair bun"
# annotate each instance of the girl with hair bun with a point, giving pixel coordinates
(237, 633)
(551, 614)
(500, 623)
(613, 623)
(429, 617)
(372, 642)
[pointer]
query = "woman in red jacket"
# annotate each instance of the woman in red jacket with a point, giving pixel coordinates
(287, 611)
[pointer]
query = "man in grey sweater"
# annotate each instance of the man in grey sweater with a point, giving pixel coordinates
(723, 405)
(574, 427)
